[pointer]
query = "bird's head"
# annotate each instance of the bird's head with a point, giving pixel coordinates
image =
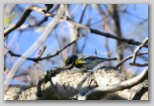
(71, 59)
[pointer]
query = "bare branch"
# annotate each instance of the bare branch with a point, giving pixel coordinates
(64, 18)
(140, 65)
(41, 51)
(43, 58)
(117, 87)
(19, 23)
(83, 12)
(43, 12)
(40, 40)
(137, 49)
(108, 35)
(129, 57)
(116, 19)
(41, 21)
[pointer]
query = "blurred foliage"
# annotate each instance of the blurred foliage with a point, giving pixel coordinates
(9, 19)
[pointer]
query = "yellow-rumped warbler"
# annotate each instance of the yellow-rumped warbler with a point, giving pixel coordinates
(84, 62)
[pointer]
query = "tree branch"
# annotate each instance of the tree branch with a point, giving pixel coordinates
(64, 18)
(19, 23)
(129, 57)
(117, 87)
(67, 84)
(43, 58)
(43, 12)
(140, 65)
(136, 51)
(108, 35)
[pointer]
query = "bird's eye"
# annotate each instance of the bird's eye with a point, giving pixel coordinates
(70, 59)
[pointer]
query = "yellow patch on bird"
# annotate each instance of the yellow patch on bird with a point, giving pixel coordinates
(78, 62)
(65, 59)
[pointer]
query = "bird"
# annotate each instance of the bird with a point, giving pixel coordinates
(84, 62)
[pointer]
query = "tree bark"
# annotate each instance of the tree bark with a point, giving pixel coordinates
(68, 84)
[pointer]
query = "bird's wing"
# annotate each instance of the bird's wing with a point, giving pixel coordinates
(82, 56)
(93, 57)
(89, 58)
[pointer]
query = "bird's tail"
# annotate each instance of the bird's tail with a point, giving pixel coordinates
(109, 59)
(99, 59)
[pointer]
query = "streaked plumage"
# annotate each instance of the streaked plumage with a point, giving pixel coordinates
(85, 62)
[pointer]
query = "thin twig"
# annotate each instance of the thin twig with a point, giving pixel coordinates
(64, 18)
(140, 65)
(136, 51)
(43, 12)
(39, 42)
(129, 57)
(41, 51)
(108, 35)
(83, 12)
(43, 58)
(80, 21)
(41, 21)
